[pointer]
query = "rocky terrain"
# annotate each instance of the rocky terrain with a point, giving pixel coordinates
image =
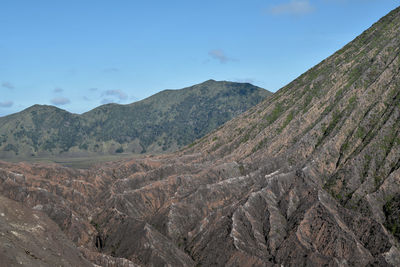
(308, 177)
(29, 238)
(163, 122)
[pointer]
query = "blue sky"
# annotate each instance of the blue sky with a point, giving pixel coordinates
(80, 54)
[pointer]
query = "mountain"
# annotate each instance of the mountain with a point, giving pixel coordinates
(165, 121)
(308, 177)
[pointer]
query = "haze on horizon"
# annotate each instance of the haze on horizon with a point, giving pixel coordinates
(80, 54)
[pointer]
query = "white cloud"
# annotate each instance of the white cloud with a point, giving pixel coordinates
(107, 101)
(6, 104)
(219, 55)
(117, 93)
(7, 85)
(245, 80)
(59, 101)
(294, 7)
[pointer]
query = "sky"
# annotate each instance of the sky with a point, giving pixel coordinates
(77, 54)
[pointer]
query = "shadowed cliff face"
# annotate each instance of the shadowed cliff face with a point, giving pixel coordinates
(309, 177)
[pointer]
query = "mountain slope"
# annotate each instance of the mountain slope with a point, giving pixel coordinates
(342, 116)
(30, 238)
(308, 177)
(163, 122)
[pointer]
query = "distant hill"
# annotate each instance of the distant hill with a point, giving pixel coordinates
(165, 121)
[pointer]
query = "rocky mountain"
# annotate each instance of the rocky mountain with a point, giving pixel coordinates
(163, 122)
(308, 177)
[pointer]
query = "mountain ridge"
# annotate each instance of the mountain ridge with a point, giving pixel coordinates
(163, 122)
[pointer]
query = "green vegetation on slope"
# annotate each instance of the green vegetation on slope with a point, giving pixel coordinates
(163, 122)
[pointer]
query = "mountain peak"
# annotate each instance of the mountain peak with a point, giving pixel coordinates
(210, 81)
